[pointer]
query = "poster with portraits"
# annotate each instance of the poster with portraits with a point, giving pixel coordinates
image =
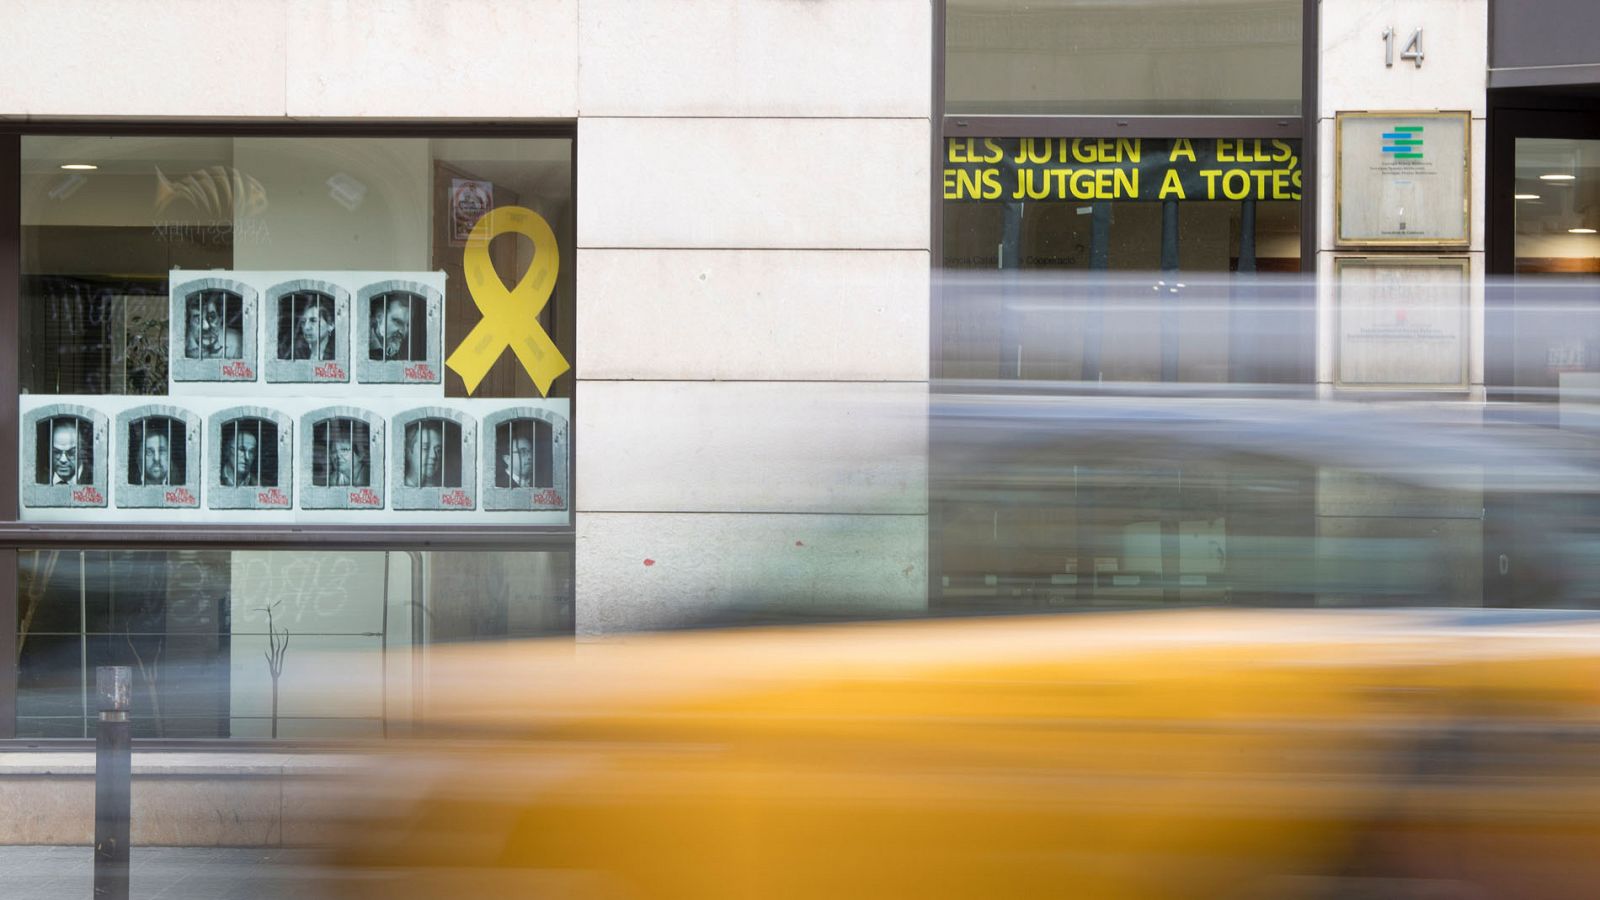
(160, 463)
(299, 397)
(64, 450)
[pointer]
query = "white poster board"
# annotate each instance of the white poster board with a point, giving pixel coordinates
(299, 412)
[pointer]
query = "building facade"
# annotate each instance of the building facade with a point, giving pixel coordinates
(374, 326)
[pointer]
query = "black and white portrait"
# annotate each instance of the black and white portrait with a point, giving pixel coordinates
(67, 443)
(399, 327)
(341, 459)
(214, 330)
(65, 460)
(156, 453)
(403, 325)
(248, 454)
(310, 325)
(251, 468)
(526, 450)
(214, 325)
(434, 462)
(160, 458)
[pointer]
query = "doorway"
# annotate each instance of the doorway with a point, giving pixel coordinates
(1542, 340)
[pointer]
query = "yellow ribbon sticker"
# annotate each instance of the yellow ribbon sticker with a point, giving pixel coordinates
(510, 318)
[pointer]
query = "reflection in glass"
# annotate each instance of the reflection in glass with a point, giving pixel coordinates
(1093, 57)
(193, 627)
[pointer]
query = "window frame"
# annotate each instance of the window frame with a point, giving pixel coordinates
(1306, 127)
(17, 535)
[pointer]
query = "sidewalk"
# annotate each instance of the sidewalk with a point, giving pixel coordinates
(166, 873)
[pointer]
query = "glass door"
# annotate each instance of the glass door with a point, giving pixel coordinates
(1543, 345)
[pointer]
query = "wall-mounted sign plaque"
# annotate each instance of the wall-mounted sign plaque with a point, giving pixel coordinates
(1402, 322)
(1402, 179)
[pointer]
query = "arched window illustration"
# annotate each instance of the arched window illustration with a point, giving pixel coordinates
(159, 462)
(253, 466)
(213, 330)
(435, 459)
(310, 328)
(65, 453)
(525, 459)
(341, 459)
(403, 333)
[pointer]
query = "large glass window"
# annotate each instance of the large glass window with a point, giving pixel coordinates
(1153, 267)
(1116, 57)
(1118, 259)
(265, 333)
(263, 643)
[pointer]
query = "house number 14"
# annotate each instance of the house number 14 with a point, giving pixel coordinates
(1412, 50)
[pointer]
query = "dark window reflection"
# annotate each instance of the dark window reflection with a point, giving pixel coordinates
(164, 615)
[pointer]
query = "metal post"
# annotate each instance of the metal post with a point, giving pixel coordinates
(113, 775)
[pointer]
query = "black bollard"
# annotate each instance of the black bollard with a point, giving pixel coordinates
(113, 776)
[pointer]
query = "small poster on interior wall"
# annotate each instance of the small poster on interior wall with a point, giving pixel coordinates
(469, 200)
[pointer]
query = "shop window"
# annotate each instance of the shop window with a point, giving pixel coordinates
(1134, 259)
(263, 333)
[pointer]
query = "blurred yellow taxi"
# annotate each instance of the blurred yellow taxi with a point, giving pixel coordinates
(1181, 754)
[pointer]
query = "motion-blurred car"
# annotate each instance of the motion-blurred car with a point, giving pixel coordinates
(1183, 754)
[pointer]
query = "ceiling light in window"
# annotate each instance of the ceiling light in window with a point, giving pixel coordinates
(1525, 196)
(1558, 176)
(1580, 231)
(79, 167)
